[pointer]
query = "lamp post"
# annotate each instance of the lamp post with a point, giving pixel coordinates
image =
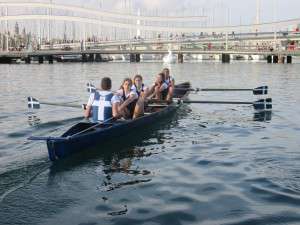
(7, 36)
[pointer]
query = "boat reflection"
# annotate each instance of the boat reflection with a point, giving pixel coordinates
(33, 120)
(262, 116)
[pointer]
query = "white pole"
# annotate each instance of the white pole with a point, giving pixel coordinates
(275, 19)
(228, 24)
(49, 25)
(257, 19)
(138, 22)
(7, 37)
(40, 33)
(257, 11)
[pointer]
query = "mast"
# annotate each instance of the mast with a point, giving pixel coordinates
(257, 21)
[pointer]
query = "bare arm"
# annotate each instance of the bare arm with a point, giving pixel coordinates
(87, 112)
(115, 111)
(127, 102)
(161, 88)
(173, 83)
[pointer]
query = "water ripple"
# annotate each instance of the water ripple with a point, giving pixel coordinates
(207, 165)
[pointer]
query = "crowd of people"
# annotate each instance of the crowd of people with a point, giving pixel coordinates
(129, 101)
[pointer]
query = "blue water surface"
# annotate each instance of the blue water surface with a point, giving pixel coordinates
(208, 164)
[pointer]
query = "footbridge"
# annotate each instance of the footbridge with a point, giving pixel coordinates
(266, 39)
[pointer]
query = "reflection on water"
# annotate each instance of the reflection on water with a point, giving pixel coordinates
(33, 120)
(207, 164)
(262, 116)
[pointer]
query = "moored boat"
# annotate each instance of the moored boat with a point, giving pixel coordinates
(85, 135)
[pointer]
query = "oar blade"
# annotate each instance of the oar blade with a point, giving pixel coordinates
(263, 104)
(263, 90)
(33, 103)
(90, 88)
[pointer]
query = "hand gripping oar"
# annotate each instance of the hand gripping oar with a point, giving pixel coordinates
(33, 103)
(262, 104)
(263, 90)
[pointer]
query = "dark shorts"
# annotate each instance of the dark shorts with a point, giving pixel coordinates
(131, 108)
(164, 94)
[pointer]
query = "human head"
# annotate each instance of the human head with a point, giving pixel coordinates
(106, 83)
(166, 71)
(160, 78)
(127, 83)
(138, 80)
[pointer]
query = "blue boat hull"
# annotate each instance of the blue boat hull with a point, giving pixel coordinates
(63, 147)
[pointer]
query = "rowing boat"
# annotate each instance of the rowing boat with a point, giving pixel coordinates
(81, 137)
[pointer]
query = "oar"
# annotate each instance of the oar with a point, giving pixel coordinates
(263, 90)
(90, 128)
(39, 138)
(262, 104)
(33, 103)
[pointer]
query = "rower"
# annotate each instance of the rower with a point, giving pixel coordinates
(160, 89)
(127, 104)
(170, 82)
(139, 87)
(100, 103)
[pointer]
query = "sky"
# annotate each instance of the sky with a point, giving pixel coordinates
(219, 11)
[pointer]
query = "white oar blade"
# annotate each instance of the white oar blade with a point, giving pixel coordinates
(33, 103)
(90, 88)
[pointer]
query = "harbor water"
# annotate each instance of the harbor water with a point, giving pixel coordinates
(208, 164)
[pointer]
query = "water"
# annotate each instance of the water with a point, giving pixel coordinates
(207, 165)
